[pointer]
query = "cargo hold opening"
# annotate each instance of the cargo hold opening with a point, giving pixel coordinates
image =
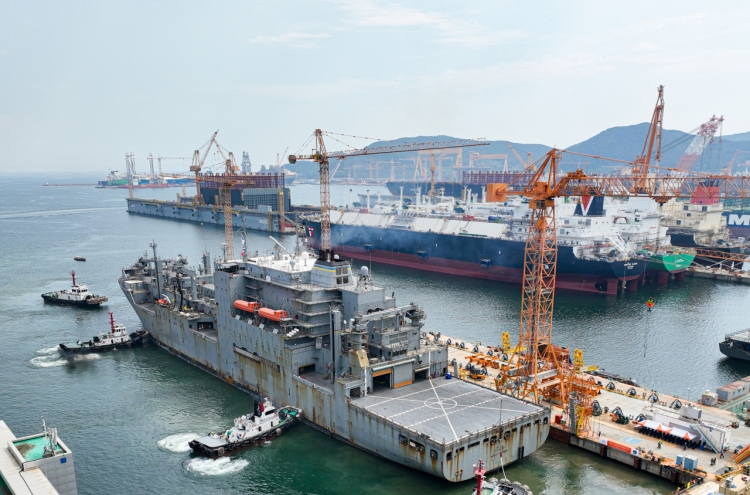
(308, 368)
(382, 379)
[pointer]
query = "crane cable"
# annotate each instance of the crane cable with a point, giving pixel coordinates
(338, 141)
(305, 143)
(328, 133)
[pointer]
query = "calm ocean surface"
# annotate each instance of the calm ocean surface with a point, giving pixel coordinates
(127, 415)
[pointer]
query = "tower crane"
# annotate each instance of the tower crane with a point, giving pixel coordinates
(539, 372)
(322, 157)
(226, 191)
(199, 160)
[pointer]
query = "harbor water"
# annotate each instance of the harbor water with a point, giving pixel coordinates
(128, 414)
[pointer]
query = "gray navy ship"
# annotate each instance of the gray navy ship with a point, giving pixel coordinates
(304, 330)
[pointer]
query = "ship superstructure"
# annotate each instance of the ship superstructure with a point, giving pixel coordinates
(305, 330)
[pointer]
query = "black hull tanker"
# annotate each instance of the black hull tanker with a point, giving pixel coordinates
(473, 256)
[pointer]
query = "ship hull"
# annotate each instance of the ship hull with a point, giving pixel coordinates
(80, 304)
(271, 371)
(738, 223)
(483, 258)
(734, 351)
(672, 262)
(688, 240)
(136, 338)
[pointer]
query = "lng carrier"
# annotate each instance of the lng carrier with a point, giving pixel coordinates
(304, 330)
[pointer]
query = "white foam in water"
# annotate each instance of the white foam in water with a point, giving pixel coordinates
(177, 443)
(215, 467)
(51, 357)
(49, 350)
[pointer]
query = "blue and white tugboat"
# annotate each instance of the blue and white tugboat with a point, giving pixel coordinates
(77, 295)
(116, 338)
(248, 430)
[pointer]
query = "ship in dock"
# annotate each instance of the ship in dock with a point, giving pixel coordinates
(701, 224)
(308, 331)
(259, 202)
(487, 240)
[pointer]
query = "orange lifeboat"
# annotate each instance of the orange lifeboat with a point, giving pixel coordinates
(250, 307)
(271, 314)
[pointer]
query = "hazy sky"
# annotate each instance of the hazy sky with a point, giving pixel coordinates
(81, 83)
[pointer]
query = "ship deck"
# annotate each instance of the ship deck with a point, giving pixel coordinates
(445, 409)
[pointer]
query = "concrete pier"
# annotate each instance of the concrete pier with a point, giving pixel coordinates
(626, 444)
(736, 276)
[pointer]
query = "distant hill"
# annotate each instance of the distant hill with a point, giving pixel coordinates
(404, 164)
(626, 143)
(743, 136)
(622, 143)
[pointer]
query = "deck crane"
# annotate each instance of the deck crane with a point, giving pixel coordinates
(540, 373)
(322, 157)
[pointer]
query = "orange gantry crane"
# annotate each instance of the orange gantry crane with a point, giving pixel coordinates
(322, 157)
(541, 371)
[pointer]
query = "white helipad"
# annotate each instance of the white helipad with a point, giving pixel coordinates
(445, 409)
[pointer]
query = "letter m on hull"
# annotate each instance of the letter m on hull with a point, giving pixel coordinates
(738, 220)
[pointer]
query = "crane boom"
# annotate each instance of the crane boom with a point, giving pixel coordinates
(703, 138)
(642, 162)
(528, 165)
(400, 148)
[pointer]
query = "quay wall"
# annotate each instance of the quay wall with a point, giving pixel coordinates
(669, 472)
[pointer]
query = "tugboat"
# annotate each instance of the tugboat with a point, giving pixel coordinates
(495, 487)
(79, 258)
(116, 338)
(77, 295)
(248, 430)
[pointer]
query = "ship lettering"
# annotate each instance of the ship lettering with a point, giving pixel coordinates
(738, 220)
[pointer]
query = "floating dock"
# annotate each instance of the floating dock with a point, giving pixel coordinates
(267, 221)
